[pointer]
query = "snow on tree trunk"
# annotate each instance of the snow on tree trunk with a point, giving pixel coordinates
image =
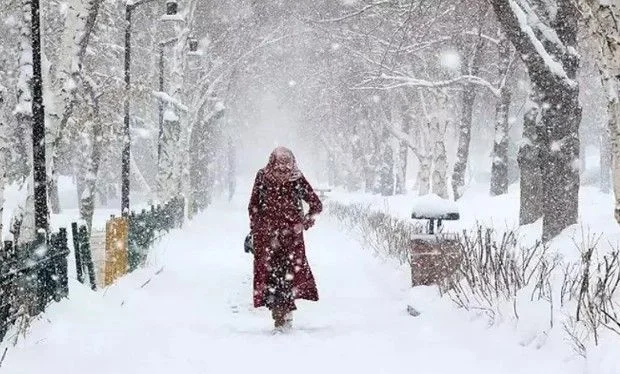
(440, 161)
(467, 107)
(179, 82)
(613, 129)
(424, 174)
(603, 18)
(499, 166)
(91, 162)
(4, 152)
(547, 47)
(403, 154)
(386, 165)
(582, 158)
(24, 116)
(605, 159)
(166, 183)
(78, 29)
(332, 176)
(401, 119)
(530, 208)
(7, 150)
(202, 173)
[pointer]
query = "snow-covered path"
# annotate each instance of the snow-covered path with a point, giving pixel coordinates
(194, 316)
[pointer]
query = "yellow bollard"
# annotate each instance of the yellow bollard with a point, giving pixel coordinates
(116, 243)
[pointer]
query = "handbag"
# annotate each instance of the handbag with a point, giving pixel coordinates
(248, 245)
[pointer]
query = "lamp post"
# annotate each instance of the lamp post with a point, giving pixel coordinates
(171, 9)
(38, 126)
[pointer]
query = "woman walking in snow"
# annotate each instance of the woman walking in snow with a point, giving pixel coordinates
(277, 221)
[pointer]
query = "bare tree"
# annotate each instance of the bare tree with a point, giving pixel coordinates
(499, 166)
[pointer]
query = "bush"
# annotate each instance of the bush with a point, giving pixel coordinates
(496, 272)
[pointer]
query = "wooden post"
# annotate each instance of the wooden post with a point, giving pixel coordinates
(116, 262)
(76, 249)
(62, 265)
(87, 256)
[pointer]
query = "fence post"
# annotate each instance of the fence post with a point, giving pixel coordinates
(5, 287)
(62, 265)
(40, 274)
(180, 205)
(86, 256)
(76, 249)
(133, 239)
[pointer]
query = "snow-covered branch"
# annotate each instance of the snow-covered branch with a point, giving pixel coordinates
(350, 15)
(422, 83)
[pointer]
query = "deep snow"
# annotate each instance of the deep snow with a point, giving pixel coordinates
(189, 311)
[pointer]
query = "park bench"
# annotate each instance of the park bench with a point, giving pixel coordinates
(322, 192)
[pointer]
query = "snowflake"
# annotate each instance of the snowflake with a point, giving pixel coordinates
(450, 60)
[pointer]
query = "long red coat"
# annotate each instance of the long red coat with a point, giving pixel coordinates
(278, 212)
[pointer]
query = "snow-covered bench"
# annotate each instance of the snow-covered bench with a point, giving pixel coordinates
(322, 192)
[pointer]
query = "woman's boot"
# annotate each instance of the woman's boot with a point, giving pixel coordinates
(288, 320)
(278, 318)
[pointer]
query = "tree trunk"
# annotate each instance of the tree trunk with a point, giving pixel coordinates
(400, 118)
(462, 154)
(529, 164)
(332, 176)
(467, 108)
(424, 175)
(605, 157)
(23, 114)
(560, 158)
(604, 27)
(582, 158)
(91, 166)
(166, 176)
(552, 68)
(613, 129)
(77, 37)
(440, 161)
(3, 181)
(499, 166)
(52, 192)
(386, 165)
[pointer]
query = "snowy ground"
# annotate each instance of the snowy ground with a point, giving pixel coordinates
(189, 312)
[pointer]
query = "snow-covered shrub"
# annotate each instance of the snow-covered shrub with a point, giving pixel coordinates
(496, 269)
(383, 233)
(505, 279)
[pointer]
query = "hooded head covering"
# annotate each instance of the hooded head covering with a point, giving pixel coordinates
(282, 166)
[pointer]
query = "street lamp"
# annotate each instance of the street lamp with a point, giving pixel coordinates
(171, 9)
(38, 126)
(193, 44)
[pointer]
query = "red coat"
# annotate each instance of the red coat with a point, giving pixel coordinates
(279, 212)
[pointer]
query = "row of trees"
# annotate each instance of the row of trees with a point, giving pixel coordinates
(83, 53)
(385, 79)
(375, 84)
